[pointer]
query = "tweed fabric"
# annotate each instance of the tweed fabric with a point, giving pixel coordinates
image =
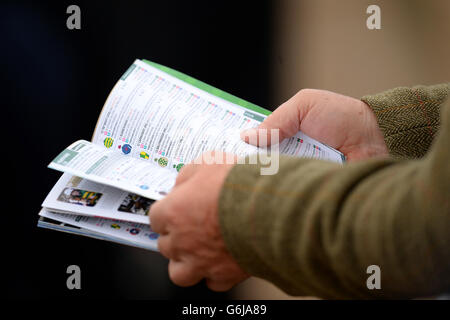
(409, 117)
(314, 228)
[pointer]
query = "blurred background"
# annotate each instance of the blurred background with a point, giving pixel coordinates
(54, 82)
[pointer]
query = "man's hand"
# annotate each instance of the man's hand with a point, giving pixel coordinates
(188, 223)
(342, 122)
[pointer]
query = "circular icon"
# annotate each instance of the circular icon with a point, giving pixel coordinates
(108, 142)
(153, 236)
(126, 148)
(134, 231)
(163, 161)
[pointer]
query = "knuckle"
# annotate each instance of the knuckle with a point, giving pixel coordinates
(185, 168)
(170, 216)
(183, 173)
(307, 94)
(174, 211)
(216, 274)
(155, 209)
(176, 278)
(306, 91)
(180, 277)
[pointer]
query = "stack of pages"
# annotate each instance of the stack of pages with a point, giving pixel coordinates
(154, 121)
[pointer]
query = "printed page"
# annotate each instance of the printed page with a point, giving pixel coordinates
(158, 118)
(73, 194)
(138, 234)
(92, 162)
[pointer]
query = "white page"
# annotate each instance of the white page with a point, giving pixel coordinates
(50, 224)
(92, 162)
(159, 118)
(134, 233)
(152, 122)
(72, 194)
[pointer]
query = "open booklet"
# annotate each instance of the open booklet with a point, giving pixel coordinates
(154, 121)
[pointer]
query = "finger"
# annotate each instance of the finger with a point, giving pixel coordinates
(158, 217)
(165, 247)
(183, 273)
(286, 119)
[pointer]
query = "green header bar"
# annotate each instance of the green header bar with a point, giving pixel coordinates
(208, 88)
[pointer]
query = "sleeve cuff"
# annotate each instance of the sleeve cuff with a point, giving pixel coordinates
(408, 117)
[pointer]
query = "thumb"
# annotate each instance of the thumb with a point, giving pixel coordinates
(286, 119)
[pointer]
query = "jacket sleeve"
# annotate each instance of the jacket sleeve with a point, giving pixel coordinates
(315, 227)
(409, 117)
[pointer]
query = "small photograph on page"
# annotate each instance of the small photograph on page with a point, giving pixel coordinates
(80, 197)
(135, 204)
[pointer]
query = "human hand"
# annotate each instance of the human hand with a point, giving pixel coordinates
(188, 223)
(344, 123)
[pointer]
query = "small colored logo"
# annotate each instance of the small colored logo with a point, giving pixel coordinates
(163, 161)
(144, 155)
(115, 226)
(143, 187)
(179, 166)
(126, 148)
(108, 142)
(153, 236)
(134, 231)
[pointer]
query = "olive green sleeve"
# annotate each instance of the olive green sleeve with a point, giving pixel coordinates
(314, 227)
(409, 117)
